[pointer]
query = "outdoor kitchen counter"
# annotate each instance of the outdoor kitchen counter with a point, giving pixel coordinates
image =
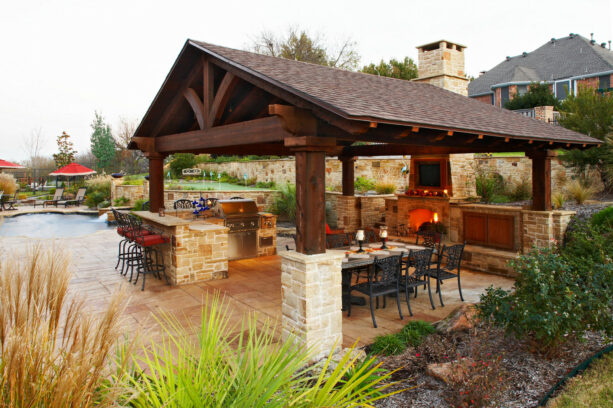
(197, 251)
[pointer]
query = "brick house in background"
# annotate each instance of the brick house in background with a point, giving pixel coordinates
(565, 63)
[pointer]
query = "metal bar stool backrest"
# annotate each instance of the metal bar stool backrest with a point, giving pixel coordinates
(421, 261)
(183, 203)
(136, 227)
(336, 241)
(386, 270)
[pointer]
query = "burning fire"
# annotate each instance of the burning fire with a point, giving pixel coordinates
(435, 217)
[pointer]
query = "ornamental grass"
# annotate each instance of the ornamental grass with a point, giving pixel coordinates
(52, 352)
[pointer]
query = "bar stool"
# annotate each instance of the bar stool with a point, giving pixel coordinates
(125, 253)
(146, 257)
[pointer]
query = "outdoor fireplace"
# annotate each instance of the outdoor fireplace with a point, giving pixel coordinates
(420, 217)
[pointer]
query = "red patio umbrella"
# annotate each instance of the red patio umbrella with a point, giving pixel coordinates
(72, 170)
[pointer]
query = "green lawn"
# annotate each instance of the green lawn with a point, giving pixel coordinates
(593, 389)
(208, 185)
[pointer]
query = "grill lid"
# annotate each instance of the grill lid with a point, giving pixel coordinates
(235, 208)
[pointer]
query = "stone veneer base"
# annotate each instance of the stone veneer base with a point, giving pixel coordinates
(312, 300)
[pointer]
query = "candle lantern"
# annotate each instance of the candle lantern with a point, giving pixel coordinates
(383, 236)
(359, 236)
(161, 212)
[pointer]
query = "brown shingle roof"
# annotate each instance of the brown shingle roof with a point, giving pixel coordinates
(355, 95)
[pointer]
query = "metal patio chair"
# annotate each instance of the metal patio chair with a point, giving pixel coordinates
(420, 262)
(182, 204)
(450, 270)
(383, 279)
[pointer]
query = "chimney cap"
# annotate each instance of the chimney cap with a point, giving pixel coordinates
(435, 45)
(524, 54)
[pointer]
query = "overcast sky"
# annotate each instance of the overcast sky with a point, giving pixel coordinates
(62, 60)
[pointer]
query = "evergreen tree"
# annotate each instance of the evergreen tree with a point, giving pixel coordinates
(102, 142)
(405, 69)
(591, 113)
(538, 94)
(66, 152)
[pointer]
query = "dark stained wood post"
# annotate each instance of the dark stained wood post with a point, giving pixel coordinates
(348, 175)
(310, 202)
(156, 181)
(541, 180)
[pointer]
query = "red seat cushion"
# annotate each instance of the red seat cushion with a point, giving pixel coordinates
(126, 231)
(150, 240)
(330, 231)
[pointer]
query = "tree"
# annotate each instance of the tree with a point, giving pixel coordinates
(299, 45)
(181, 161)
(66, 152)
(538, 94)
(130, 161)
(591, 113)
(405, 69)
(102, 142)
(33, 146)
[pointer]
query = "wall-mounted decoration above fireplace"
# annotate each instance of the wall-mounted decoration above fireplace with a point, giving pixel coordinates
(431, 174)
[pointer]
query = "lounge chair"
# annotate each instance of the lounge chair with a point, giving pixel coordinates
(1, 204)
(10, 202)
(78, 200)
(59, 192)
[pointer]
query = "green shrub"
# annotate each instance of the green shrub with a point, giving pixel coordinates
(94, 199)
(486, 187)
(121, 201)
(362, 184)
(104, 204)
(388, 344)
(604, 218)
(265, 184)
(579, 191)
(244, 366)
(385, 188)
(181, 161)
(138, 205)
(560, 293)
(415, 331)
(133, 182)
(285, 203)
(521, 190)
(558, 199)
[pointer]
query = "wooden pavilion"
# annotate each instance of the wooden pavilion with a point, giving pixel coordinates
(224, 101)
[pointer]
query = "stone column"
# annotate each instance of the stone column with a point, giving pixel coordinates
(312, 300)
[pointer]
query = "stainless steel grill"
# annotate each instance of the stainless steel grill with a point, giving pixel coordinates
(243, 220)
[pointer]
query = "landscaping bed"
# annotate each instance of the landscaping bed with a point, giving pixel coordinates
(526, 376)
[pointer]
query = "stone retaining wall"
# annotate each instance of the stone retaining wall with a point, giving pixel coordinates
(463, 169)
(351, 213)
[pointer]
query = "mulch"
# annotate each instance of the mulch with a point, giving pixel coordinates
(527, 375)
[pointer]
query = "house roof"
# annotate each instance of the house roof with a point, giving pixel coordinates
(358, 96)
(557, 59)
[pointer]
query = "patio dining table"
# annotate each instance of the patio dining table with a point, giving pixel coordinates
(356, 262)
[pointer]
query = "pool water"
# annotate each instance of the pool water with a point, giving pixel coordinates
(52, 225)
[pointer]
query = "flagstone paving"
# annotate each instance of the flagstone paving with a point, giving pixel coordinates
(253, 285)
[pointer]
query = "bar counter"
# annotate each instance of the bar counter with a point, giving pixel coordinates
(198, 249)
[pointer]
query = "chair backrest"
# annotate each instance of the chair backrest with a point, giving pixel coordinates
(146, 206)
(387, 270)
(430, 239)
(421, 261)
(183, 203)
(336, 241)
(236, 198)
(370, 236)
(59, 192)
(135, 225)
(1, 194)
(81, 194)
(453, 256)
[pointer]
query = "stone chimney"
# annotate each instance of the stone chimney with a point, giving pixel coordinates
(441, 64)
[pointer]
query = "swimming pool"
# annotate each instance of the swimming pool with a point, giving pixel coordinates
(47, 225)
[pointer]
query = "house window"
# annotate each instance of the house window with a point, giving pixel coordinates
(562, 89)
(493, 99)
(522, 89)
(504, 95)
(604, 82)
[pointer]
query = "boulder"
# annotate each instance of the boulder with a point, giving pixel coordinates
(453, 371)
(462, 318)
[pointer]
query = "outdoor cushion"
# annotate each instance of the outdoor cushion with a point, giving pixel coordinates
(330, 231)
(150, 240)
(126, 231)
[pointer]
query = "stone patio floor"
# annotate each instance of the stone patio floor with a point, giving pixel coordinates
(252, 285)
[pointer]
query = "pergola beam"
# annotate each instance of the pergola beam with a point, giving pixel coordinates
(250, 132)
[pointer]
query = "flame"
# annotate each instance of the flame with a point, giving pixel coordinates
(435, 217)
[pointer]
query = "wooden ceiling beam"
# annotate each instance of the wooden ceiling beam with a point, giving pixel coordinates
(228, 83)
(208, 88)
(178, 98)
(197, 106)
(245, 105)
(243, 133)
